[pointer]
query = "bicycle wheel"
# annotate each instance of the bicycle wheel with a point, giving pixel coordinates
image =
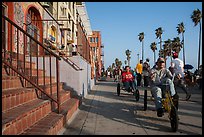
(145, 100)
(118, 89)
(174, 118)
(137, 95)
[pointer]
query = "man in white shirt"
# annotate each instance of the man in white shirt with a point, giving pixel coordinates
(177, 67)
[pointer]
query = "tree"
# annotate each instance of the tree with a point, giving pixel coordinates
(176, 45)
(125, 62)
(153, 46)
(128, 52)
(196, 17)
(141, 39)
(158, 33)
(120, 64)
(167, 49)
(112, 67)
(116, 62)
(181, 30)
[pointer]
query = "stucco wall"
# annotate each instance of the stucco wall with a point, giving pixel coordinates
(78, 81)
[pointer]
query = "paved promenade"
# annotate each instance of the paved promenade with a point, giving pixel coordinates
(104, 113)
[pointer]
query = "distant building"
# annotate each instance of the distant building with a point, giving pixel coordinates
(96, 53)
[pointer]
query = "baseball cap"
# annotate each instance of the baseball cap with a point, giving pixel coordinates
(175, 55)
(160, 59)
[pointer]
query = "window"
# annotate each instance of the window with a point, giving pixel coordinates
(91, 39)
(64, 11)
(96, 40)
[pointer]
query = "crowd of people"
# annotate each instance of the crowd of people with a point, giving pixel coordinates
(145, 76)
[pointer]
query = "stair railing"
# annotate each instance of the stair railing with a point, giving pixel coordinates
(19, 51)
(71, 63)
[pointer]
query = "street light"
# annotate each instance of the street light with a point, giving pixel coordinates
(138, 56)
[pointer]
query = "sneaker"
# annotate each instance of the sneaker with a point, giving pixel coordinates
(188, 96)
(160, 112)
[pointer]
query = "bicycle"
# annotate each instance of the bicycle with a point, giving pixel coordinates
(167, 105)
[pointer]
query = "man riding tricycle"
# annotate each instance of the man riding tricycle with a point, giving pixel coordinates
(127, 83)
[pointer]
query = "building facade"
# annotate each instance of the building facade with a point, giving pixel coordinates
(97, 53)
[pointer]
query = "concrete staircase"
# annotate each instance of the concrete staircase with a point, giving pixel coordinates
(25, 113)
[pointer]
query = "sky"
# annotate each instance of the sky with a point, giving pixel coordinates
(121, 22)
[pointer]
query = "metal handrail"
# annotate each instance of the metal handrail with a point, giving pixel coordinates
(44, 47)
(22, 75)
(71, 63)
(17, 53)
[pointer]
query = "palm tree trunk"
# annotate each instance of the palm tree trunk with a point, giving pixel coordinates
(160, 43)
(128, 62)
(171, 52)
(154, 57)
(142, 50)
(184, 61)
(199, 47)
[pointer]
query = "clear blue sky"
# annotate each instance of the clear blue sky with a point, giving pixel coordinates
(121, 22)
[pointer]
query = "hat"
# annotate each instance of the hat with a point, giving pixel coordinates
(175, 55)
(160, 59)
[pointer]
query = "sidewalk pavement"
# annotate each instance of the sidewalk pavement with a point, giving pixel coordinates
(102, 112)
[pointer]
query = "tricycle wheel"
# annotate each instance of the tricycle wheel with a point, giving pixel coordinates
(137, 95)
(118, 89)
(174, 118)
(145, 100)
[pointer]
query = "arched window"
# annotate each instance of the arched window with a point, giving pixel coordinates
(53, 34)
(33, 27)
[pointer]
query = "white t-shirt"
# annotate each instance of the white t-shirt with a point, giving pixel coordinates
(178, 66)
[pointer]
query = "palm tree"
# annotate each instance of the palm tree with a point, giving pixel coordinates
(113, 66)
(181, 30)
(141, 39)
(167, 50)
(128, 52)
(196, 17)
(153, 46)
(116, 62)
(158, 33)
(176, 45)
(125, 62)
(120, 63)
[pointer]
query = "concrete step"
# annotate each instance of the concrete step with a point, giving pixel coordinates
(9, 82)
(18, 119)
(53, 122)
(34, 72)
(14, 97)
(49, 125)
(40, 80)
(64, 96)
(48, 87)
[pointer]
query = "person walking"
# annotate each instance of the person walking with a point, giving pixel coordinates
(138, 70)
(146, 69)
(159, 76)
(118, 73)
(177, 67)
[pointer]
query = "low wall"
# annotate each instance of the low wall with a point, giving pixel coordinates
(78, 81)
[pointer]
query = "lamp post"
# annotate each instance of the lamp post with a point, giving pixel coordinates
(138, 56)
